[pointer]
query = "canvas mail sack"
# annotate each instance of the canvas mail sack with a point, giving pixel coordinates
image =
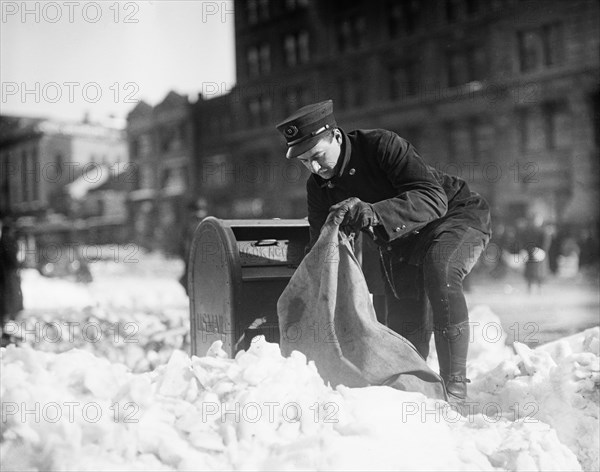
(326, 313)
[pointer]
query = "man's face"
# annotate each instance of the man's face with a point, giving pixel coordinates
(322, 158)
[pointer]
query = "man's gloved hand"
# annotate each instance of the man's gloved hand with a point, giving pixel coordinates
(352, 215)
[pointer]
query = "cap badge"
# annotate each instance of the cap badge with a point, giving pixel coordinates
(291, 131)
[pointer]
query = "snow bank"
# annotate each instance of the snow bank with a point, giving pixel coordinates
(558, 384)
(263, 411)
(135, 313)
(129, 398)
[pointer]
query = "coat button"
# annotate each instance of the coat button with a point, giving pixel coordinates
(403, 226)
(397, 229)
(389, 248)
(352, 171)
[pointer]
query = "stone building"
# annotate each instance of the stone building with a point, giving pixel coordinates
(40, 158)
(504, 93)
(160, 146)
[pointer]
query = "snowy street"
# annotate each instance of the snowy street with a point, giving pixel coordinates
(564, 307)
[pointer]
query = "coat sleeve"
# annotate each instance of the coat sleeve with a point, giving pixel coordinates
(318, 209)
(420, 197)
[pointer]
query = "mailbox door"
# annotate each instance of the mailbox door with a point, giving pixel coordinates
(214, 285)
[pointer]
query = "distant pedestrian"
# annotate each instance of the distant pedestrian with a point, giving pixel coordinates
(11, 297)
(536, 241)
(568, 260)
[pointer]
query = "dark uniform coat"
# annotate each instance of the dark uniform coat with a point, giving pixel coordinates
(414, 201)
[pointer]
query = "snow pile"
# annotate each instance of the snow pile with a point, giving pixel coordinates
(138, 339)
(84, 408)
(259, 411)
(558, 384)
(135, 313)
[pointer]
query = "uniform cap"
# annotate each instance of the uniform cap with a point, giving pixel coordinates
(302, 130)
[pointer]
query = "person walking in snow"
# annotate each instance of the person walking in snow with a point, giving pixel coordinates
(11, 297)
(429, 226)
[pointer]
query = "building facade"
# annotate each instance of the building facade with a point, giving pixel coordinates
(41, 158)
(503, 93)
(160, 146)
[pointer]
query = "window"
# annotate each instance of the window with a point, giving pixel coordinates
(545, 127)
(168, 140)
(558, 125)
(253, 65)
(259, 111)
(145, 145)
(541, 47)
(303, 47)
(146, 177)
(254, 111)
(459, 142)
(135, 148)
(454, 10)
(265, 59)
(59, 161)
(15, 190)
(225, 123)
(483, 140)
(263, 10)
(530, 50)
(458, 71)
(216, 171)
(292, 99)
(252, 11)
(466, 65)
(35, 188)
(403, 81)
(259, 60)
(533, 131)
(257, 10)
(174, 180)
(470, 140)
(349, 92)
(553, 44)
(297, 48)
(473, 7)
(289, 45)
(351, 33)
(183, 132)
(24, 174)
(403, 17)
(477, 63)
(295, 4)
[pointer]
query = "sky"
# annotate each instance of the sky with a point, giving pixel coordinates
(65, 59)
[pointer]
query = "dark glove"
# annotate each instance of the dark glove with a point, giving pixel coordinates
(353, 215)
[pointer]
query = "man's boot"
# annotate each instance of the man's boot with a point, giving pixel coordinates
(452, 344)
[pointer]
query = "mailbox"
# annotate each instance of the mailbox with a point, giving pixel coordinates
(237, 272)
